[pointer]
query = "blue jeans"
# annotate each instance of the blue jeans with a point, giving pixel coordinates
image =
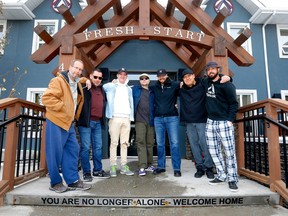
(197, 139)
(93, 135)
(171, 125)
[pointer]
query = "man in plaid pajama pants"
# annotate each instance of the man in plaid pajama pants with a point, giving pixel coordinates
(221, 105)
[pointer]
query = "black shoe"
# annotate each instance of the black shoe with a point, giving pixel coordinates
(158, 171)
(79, 185)
(87, 177)
(199, 173)
(233, 186)
(215, 181)
(210, 173)
(101, 174)
(177, 173)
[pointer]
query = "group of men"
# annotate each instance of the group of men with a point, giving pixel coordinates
(155, 112)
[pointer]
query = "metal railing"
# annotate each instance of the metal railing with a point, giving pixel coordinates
(22, 143)
(262, 143)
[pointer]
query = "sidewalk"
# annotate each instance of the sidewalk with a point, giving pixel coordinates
(147, 195)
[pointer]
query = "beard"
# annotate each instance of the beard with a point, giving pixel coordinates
(213, 76)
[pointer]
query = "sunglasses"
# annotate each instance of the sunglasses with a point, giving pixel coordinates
(144, 78)
(97, 77)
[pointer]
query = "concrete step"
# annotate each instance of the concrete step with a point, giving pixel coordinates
(163, 190)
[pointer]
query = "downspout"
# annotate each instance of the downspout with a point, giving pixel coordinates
(265, 54)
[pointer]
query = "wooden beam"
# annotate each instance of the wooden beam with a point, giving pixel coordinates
(221, 16)
(245, 34)
(187, 24)
(144, 13)
(170, 9)
(91, 2)
(204, 22)
(100, 23)
(66, 14)
(220, 47)
(117, 7)
(67, 45)
(84, 19)
(43, 34)
(197, 3)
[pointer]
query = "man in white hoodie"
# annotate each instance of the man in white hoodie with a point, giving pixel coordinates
(120, 112)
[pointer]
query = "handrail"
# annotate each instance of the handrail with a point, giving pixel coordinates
(22, 126)
(258, 136)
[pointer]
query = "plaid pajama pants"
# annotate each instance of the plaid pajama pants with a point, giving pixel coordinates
(221, 135)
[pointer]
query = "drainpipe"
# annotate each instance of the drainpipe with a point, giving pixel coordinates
(265, 54)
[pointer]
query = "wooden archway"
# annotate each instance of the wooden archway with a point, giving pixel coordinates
(145, 20)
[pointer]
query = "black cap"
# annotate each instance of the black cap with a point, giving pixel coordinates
(212, 65)
(122, 70)
(186, 71)
(161, 72)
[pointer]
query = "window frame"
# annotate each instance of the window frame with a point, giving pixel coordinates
(280, 46)
(43, 22)
(247, 45)
(284, 93)
(4, 23)
(252, 92)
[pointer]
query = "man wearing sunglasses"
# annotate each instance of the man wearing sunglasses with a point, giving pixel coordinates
(90, 128)
(144, 124)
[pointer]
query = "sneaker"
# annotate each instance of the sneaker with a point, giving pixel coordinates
(199, 173)
(87, 177)
(142, 172)
(58, 188)
(79, 185)
(210, 173)
(113, 172)
(101, 174)
(125, 170)
(158, 171)
(177, 173)
(215, 181)
(233, 186)
(150, 169)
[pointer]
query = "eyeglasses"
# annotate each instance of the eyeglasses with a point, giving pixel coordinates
(80, 69)
(144, 78)
(97, 77)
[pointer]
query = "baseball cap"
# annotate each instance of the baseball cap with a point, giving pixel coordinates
(186, 71)
(122, 70)
(144, 75)
(212, 65)
(161, 72)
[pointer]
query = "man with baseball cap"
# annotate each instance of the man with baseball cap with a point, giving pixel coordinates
(144, 124)
(194, 115)
(166, 119)
(120, 112)
(222, 106)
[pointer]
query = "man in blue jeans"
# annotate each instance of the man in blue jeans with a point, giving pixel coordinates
(166, 119)
(90, 125)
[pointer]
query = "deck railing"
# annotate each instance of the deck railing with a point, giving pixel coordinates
(262, 143)
(22, 143)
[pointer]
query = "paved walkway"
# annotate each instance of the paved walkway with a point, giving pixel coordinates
(148, 195)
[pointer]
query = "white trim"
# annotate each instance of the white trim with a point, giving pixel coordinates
(281, 41)
(284, 94)
(36, 38)
(4, 23)
(30, 96)
(250, 92)
(247, 45)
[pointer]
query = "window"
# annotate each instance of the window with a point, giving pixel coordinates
(35, 95)
(284, 95)
(282, 34)
(235, 29)
(3, 37)
(51, 27)
(245, 97)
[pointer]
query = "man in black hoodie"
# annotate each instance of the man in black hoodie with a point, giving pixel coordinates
(194, 115)
(222, 106)
(166, 119)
